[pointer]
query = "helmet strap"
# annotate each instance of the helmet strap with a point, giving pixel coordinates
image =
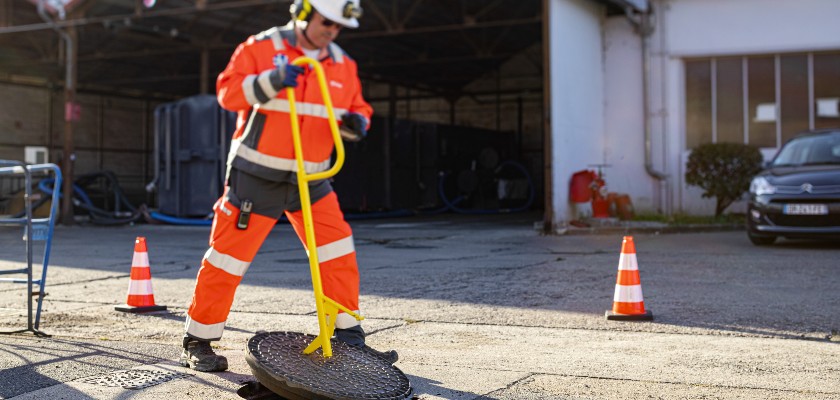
(306, 36)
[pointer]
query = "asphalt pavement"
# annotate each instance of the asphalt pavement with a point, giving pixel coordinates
(478, 307)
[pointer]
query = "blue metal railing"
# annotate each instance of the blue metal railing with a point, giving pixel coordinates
(34, 229)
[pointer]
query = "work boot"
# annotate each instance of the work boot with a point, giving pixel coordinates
(355, 337)
(199, 356)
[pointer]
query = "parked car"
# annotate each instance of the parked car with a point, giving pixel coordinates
(798, 192)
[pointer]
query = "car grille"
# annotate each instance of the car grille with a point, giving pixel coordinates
(825, 189)
(804, 220)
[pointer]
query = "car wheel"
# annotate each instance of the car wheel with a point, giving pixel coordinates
(761, 240)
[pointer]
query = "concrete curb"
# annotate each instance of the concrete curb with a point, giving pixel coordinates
(627, 228)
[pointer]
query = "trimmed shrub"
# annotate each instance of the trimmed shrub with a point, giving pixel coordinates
(723, 171)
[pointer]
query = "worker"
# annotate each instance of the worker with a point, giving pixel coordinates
(261, 180)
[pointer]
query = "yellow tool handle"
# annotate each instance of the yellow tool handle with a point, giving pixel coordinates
(339, 145)
(323, 304)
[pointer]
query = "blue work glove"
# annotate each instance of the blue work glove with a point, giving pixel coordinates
(289, 74)
(353, 127)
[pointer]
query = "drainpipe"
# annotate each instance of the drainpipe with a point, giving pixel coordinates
(643, 26)
(69, 99)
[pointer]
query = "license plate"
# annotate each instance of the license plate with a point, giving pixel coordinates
(805, 209)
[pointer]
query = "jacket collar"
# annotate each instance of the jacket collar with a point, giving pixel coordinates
(287, 34)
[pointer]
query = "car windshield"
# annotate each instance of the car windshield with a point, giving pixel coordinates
(810, 150)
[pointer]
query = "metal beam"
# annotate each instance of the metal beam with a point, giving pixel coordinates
(442, 60)
(380, 15)
(132, 16)
(488, 8)
(147, 79)
(535, 92)
(442, 28)
(409, 13)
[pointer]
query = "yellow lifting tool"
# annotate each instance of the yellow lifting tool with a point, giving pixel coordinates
(326, 307)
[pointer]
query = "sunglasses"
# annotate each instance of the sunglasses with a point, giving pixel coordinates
(328, 23)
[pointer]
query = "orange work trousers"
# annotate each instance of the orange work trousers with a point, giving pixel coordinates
(232, 249)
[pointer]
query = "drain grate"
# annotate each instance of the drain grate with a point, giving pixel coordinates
(132, 379)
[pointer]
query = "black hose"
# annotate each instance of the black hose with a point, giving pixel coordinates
(98, 215)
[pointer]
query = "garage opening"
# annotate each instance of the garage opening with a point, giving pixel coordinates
(457, 88)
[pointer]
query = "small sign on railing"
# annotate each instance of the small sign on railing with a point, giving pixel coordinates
(39, 232)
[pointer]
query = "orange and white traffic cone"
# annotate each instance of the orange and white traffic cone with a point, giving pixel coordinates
(628, 304)
(140, 295)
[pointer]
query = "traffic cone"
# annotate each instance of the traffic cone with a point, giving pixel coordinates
(628, 304)
(140, 296)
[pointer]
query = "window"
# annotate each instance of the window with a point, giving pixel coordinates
(795, 109)
(730, 100)
(826, 90)
(698, 103)
(761, 83)
(762, 100)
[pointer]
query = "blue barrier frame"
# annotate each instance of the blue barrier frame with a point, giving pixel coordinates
(11, 167)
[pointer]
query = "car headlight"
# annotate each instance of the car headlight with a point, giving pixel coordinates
(760, 186)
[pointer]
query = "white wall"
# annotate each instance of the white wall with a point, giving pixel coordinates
(624, 116)
(718, 27)
(577, 94)
(702, 28)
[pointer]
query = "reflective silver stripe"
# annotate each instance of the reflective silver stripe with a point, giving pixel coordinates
(344, 320)
(143, 287)
(627, 262)
(278, 163)
(202, 331)
(264, 80)
(309, 109)
(339, 248)
(226, 263)
(140, 259)
(248, 90)
(276, 39)
(336, 53)
(628, 294)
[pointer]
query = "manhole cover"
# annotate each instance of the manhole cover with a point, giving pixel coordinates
(132, 379)
(278, 362)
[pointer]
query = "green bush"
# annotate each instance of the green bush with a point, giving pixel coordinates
(723, 171)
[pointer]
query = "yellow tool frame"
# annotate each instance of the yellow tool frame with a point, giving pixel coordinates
(325, 306)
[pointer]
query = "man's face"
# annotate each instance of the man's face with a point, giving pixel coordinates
(322, 31)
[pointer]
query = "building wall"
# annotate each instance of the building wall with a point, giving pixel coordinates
(743, 27)
(113, 133)
(576, 60)
(22, 121)
(719, 27)
(624, 117)
(689, 29)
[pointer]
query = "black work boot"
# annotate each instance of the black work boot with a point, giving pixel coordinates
(199, 356)
(355, 337)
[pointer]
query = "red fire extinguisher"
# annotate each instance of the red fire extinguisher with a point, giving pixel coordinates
(600, 204)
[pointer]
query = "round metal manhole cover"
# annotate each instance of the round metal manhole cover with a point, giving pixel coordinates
(278, 362)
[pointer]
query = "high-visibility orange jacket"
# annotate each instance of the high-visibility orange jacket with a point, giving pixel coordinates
(251, 86)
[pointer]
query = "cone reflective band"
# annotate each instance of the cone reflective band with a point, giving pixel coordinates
(140, 296)
(628, 303)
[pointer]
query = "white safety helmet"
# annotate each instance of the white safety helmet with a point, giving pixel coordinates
(344, 12)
